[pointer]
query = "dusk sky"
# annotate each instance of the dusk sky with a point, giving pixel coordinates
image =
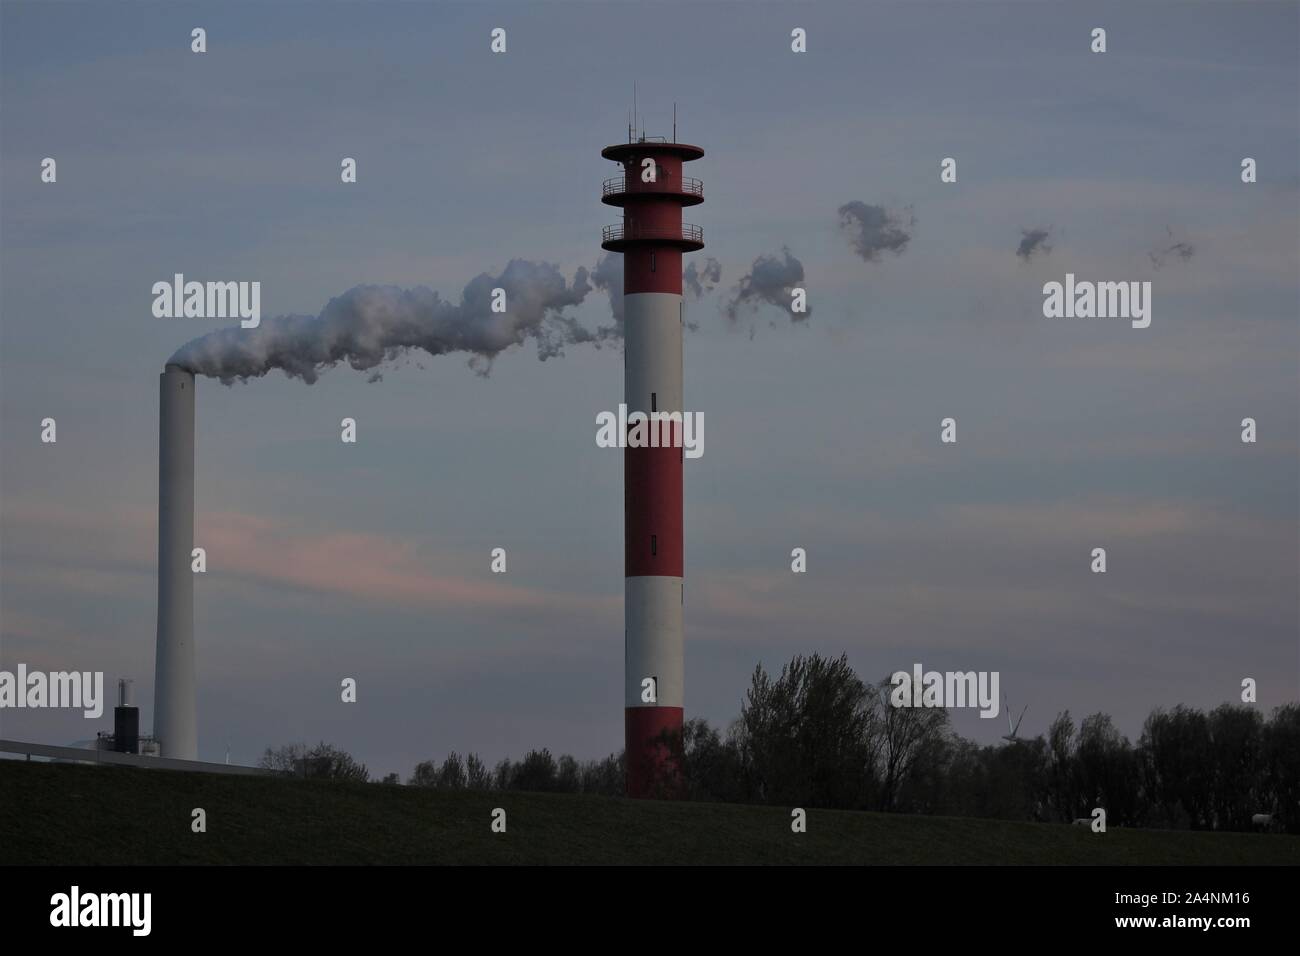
(329, 560)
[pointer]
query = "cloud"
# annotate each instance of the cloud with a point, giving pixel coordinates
(699, 281)
(94, 554)
(379, 569)
(1032, 242)
(1176, 250)
(875, 230)
(769, 280)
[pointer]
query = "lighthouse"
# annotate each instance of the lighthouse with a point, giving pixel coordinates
(651, 190)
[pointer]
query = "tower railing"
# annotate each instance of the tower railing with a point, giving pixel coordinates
(622, 231)
(687, 185)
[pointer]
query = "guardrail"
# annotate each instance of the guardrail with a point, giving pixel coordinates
(686, 185)
(688, 232)
(127, 760)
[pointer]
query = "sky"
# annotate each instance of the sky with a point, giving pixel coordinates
(371, 560)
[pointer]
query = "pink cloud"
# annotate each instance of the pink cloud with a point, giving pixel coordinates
(91, 551)
(368, 567)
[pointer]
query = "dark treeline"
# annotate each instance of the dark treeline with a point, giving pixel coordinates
(323, 760)
(818, 736)
(538, 771)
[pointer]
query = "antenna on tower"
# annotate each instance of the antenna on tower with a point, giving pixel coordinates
(674, 121)
(634, 117)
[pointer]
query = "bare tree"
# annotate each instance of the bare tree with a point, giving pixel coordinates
(425, 774)
(1106, 770)
(568, 777)
(1177, 766)
(803, 738)
(451, 775)
(607, 777)
(902, 735)
(321, 761)
(1060, 747)
(477, 775)
(1281, 761)
(1237, 739)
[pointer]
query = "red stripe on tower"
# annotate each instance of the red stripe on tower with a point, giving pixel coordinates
(652, 237)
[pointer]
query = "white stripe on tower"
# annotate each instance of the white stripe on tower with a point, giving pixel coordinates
(653, 608)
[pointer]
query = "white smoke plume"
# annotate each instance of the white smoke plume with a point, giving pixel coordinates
(369, 325)
(607, 276)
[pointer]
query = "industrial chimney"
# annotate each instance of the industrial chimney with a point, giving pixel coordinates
(175, 721)
(652, 237)
(126, 720)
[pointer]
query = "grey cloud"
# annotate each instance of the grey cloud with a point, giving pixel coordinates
(699, 281)
(1032, 242)
(1180, 250)
(875, 230)
(770, 279)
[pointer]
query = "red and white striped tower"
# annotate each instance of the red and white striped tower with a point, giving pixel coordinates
(652, 238)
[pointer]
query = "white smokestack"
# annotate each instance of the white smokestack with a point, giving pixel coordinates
(175, 722)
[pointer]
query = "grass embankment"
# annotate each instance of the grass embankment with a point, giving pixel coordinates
(76, 814)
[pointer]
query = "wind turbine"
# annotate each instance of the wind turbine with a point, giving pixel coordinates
(1012, 736)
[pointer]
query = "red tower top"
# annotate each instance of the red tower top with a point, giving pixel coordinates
(652, 192)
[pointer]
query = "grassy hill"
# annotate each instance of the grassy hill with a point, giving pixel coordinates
(62, 813)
